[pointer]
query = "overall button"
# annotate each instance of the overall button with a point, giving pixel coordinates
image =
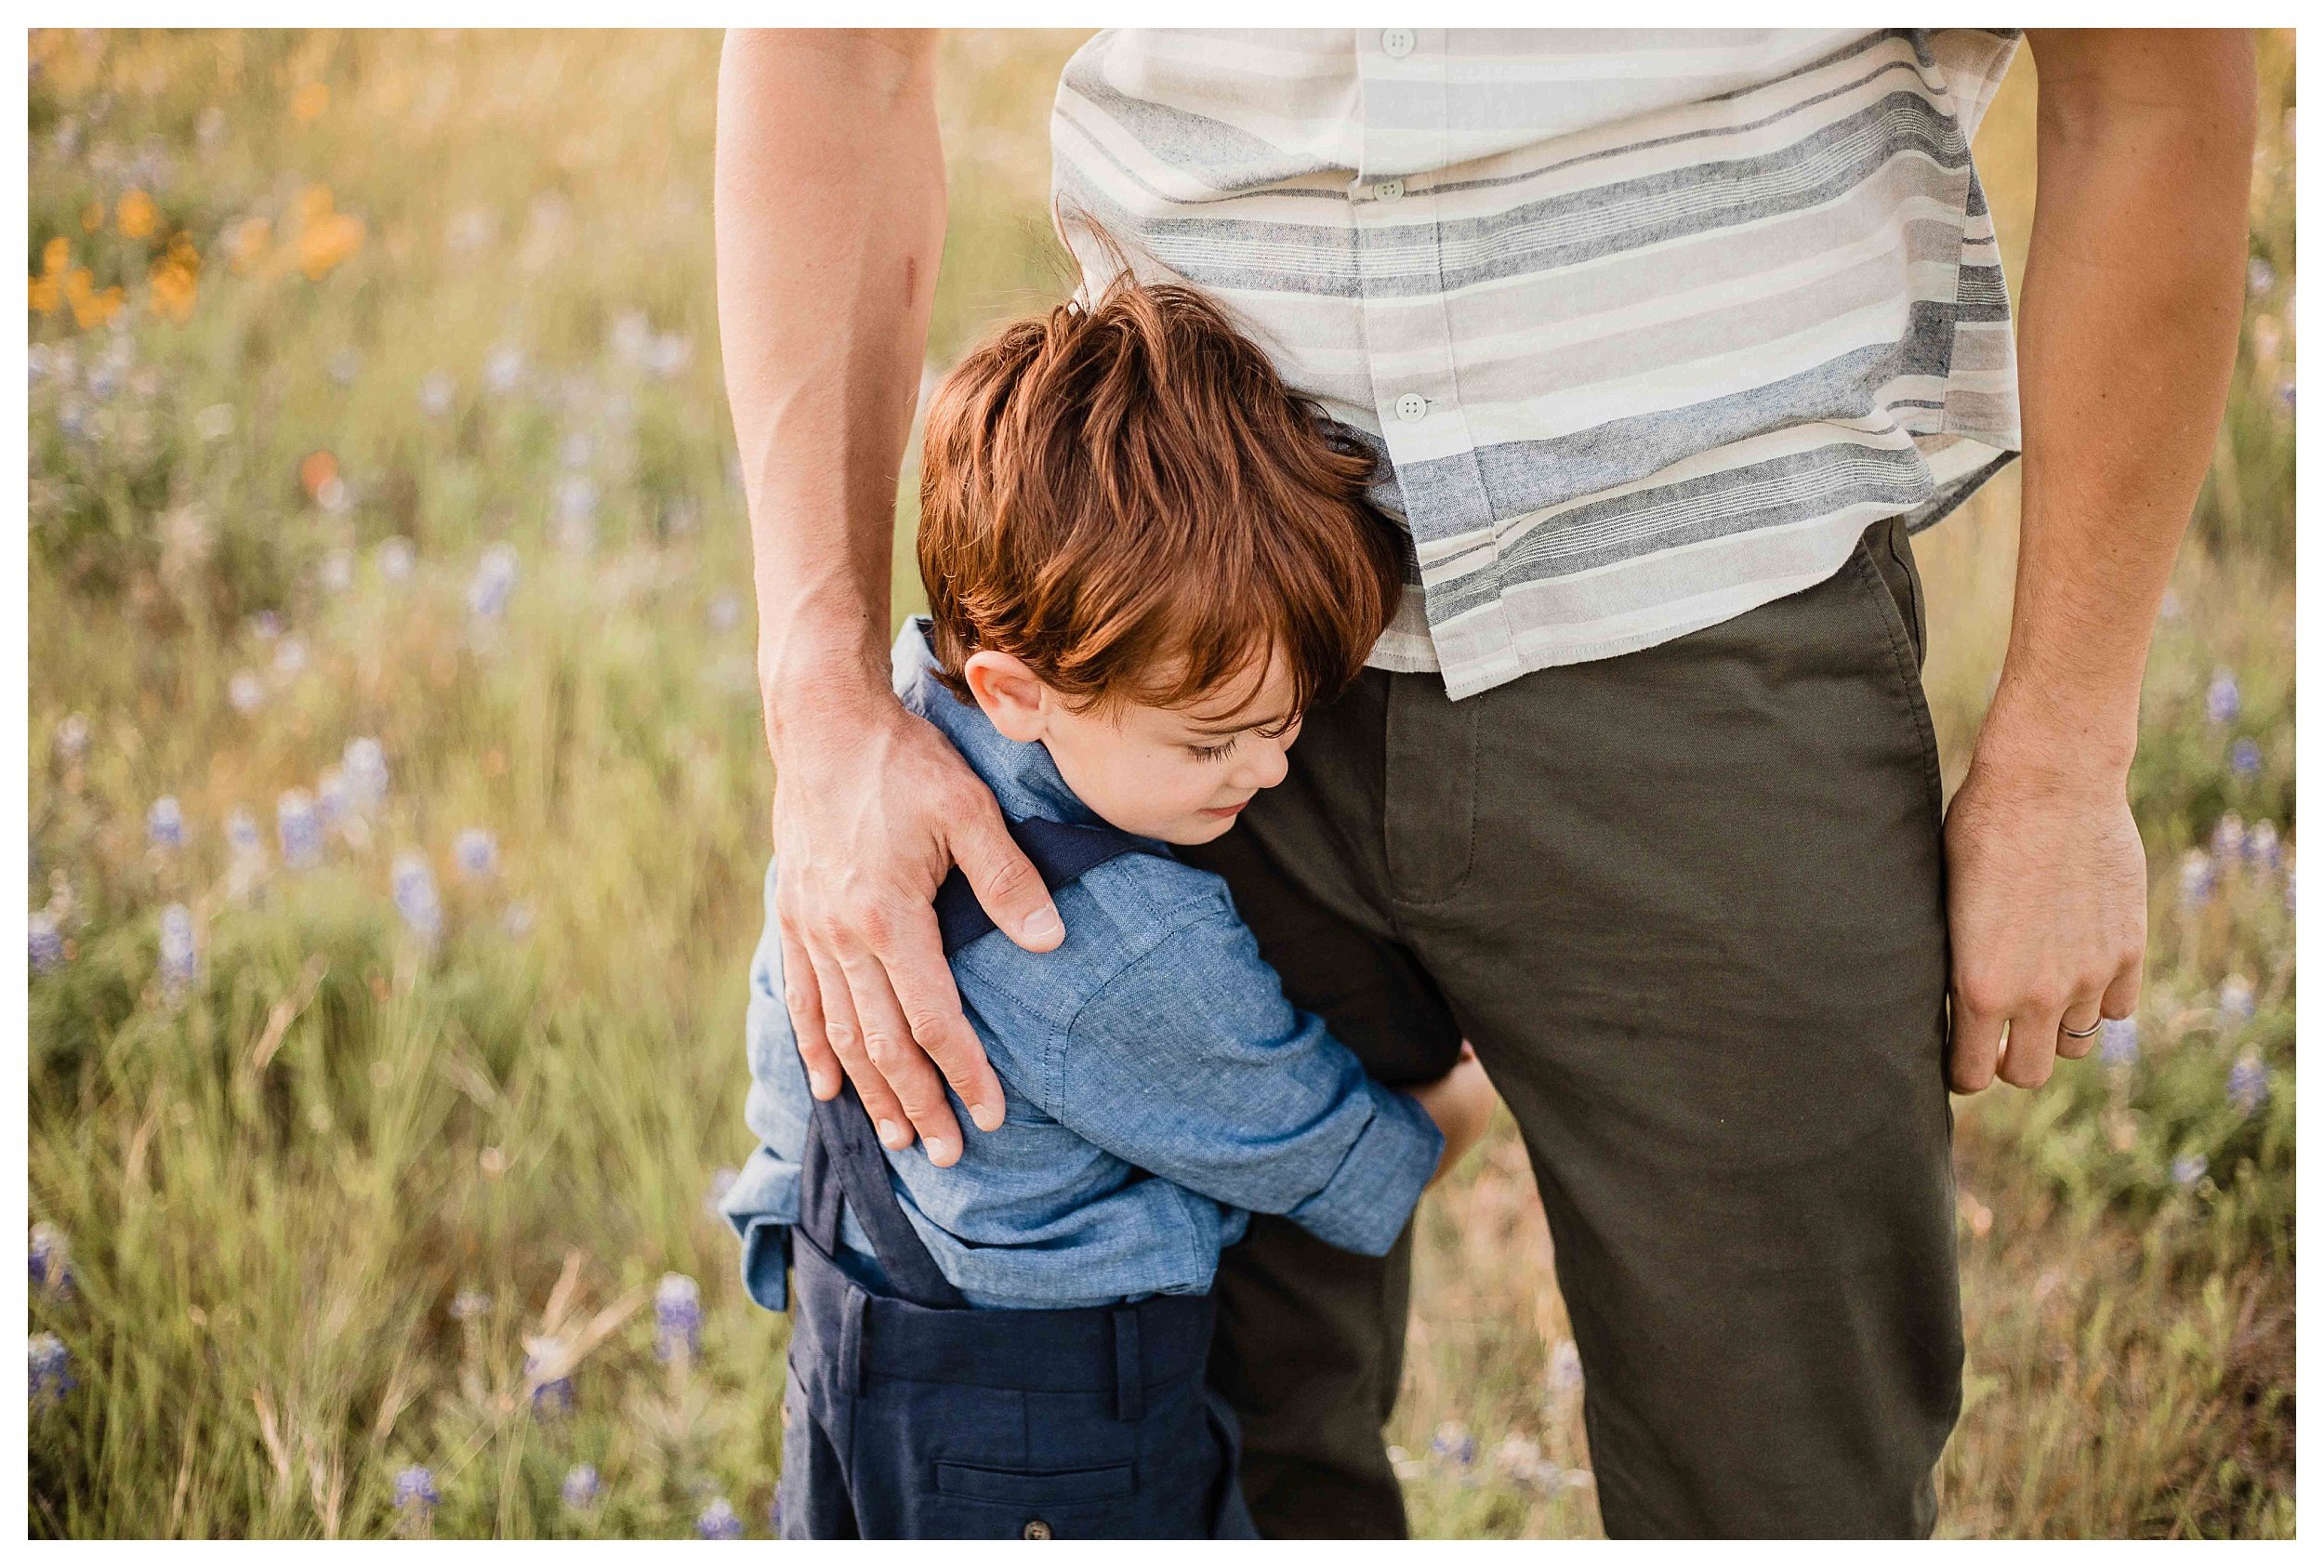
(1411, 406)
(1396, 42)
(1389, 190)
(1038, 1530)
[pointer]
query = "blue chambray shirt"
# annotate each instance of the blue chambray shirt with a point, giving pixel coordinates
(1154, 1039)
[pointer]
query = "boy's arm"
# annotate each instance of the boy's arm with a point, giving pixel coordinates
(1191, 1063)
(829, 215)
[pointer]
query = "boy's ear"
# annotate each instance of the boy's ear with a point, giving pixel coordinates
(1006, 687)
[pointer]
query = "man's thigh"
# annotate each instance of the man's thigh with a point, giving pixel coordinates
(1309, 1348)
(1688, 902)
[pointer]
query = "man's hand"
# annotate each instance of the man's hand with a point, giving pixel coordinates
(1461, 1105)
(869, 815)
(2046, 899)
(2126, 332)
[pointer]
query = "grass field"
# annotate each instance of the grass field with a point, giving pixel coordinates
(398, 804)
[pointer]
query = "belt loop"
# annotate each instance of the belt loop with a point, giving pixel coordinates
(1129, 1379)
(851, 1339)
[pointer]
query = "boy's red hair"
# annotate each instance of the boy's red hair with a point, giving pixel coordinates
(1128, 498)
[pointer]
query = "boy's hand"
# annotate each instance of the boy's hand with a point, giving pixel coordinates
(1461, 1104)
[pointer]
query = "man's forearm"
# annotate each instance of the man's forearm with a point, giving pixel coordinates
(2132, 294)
(830, 213)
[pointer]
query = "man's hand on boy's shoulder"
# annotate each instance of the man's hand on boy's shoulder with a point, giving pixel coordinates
(872, 809)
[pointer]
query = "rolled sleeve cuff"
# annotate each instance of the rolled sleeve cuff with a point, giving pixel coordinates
(1363, 1207)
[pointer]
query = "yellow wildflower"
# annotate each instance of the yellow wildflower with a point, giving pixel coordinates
(311, 101)
(136, 215)
(92, 217)
(91, 307)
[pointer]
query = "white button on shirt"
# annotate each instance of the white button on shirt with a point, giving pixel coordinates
(1645, 326)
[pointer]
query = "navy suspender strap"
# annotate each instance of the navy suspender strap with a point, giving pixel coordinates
(1059, 851)
(843, 1155)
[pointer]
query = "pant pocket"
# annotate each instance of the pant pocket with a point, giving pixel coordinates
(1892, 584)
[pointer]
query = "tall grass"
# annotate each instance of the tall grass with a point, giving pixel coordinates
(392, 1171)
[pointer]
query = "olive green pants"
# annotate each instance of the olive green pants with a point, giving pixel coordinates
(1688, 902)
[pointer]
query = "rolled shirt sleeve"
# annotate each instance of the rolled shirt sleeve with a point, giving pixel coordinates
(1191, 1063)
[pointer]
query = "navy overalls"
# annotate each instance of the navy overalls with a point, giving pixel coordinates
(912, 1414)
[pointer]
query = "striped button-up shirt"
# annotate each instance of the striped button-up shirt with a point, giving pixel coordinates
(1647, 326)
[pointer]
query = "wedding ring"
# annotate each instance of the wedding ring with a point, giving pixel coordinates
(2082, 1033)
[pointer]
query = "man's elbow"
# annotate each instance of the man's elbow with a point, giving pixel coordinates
(2199, 88)
(883, 63)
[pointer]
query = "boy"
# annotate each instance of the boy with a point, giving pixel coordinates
(1144, 558)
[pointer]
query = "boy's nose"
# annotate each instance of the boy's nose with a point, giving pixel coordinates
(1269, 766)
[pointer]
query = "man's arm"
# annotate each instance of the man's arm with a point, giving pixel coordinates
(2133, 293)
(830, 212)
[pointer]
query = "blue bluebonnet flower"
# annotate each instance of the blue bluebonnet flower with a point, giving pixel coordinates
(1565, 1368)
(71, 737)
(2224, 701)
(2226, 840)
(496, 578)
(2246, 1084)
(51, 1370)
(180, 958)
(1453, 1444)
(726, 608)
(2234, 998)
(518, 920)
(471, 1304)
(2195, 880)
(475, 853)
(549, 1375)
(241, 834)
(775, 1516)
(245, 690)
(301, 827)
(435, 393)
(2262, 847)
(576, 515)
(2243, 759)
(336, 573)
(47, 947)
(718, 1522)
(265, 626)
(2260, 276)
(290, 657)
(2118, 1041)
(677, 1316)
(165, 823)
(2289, 395)
(2170, 604)
(333, 801)
(51, 1267)
(582, 1488)
(2187, 1169)
(415, 1494)
(416, 895)
(396, 559)
(365, 768)
(73, 419)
